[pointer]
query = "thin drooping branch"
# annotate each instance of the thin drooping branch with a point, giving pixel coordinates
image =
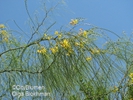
(26, 6)
(28, 45)
(46, 15)
(37, 41)
(20, 70)
(11, 50)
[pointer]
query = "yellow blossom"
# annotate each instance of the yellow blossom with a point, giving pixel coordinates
(130, 81)
(79, 44)
(65, 44)
(3, 32)
(45, 34)
(39, 51)
(95, 51)
(70, 51)
(85, 34)
(131, 75)
(5, 39)
(103, 51)
(54, 50)
(56, 33)
(42, 51)
(60, 35)
(48, 37)
(88, 58)
(68, 54)
(74, 21)
(115, 89)
(2, 26)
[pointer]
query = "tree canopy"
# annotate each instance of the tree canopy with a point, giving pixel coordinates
(68, 64)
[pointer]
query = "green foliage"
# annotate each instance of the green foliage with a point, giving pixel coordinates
(71, 64)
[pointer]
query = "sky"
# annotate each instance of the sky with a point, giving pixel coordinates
(114, 15)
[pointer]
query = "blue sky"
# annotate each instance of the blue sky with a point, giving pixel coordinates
(115, 15)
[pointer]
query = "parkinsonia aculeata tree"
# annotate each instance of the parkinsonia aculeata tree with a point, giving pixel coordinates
(83, 64)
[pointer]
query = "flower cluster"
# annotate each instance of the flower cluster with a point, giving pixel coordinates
(81, 44)
(42, 50)
(74, 21)
(70, 51)
(115, 89)
(4, 33)
(2, 26)
(47, 37)
(58, 34)
(54, 49)
(83, 33)
(131, 78)
(65, 43)
(95, 51)
(89, 58)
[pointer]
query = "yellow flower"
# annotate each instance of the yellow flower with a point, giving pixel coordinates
(131, 75)
(115, 89)
(39, 51)
(85, 34)
(60, 35)
(79, 44)
(42, 51)
(2, 26)
(74, 21)
(4, 33)
(45, 34)
(88, 58)
(70, 51)
(65, 44)
(54, 50)
(103, 51)
(95, 51)
(68, 54)
(131, 81)
(48, 37)
(5, 39)
(56, 33)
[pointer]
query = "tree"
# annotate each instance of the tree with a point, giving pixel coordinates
(67, 64)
